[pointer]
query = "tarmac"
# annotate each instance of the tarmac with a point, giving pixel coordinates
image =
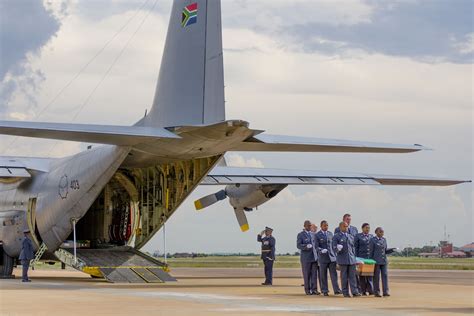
(217, 291)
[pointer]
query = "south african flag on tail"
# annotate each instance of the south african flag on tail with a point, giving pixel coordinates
(189, 15)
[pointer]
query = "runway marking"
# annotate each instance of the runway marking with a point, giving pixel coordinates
(196, 296)
(233, 303)
(284, 308)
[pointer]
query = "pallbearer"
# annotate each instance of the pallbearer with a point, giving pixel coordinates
(268, 253)
(362, 245)
(378, 252)
(308, 259)
(343, 245)
(326, 259)
(347, 218)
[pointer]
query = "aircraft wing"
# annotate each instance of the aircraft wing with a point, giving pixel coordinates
(281, 143)
(234, 175)
(103, 134)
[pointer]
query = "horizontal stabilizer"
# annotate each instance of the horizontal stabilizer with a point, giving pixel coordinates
(14, 173)
(234, 175)
(280, 143)
(102, 134)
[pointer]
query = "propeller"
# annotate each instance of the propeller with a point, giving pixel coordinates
(242, 219)
(210, 199)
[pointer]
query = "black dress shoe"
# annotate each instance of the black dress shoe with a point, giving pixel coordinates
(357, 295)
(326, 294)
(316, 293)
(348, 296)
(266, 283)
(338, 293)
(378, 295)
(386, 294)
(309, 293)
(364, 294)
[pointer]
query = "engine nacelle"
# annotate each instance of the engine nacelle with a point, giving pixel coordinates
(250, 196)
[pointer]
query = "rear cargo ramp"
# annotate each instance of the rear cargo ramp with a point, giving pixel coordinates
(122, 265)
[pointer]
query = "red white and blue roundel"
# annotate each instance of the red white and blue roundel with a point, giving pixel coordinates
(189, 15)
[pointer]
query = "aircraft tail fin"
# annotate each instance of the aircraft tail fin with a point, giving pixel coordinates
(190, 88)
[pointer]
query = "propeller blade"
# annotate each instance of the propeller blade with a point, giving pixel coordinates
(242, 219)
(209, 200)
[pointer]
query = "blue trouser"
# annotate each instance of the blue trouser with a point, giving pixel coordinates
(268, 268)
(310, 276)
(25, 266)
(381, 270)
(366, 284)
(323, 277)
(316, 280)
(348, 279)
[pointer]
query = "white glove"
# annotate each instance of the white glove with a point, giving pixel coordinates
(324, 251)
(309, 246)
(262, 233)
(339, 247)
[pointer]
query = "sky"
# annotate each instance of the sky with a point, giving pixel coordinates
(398, 71)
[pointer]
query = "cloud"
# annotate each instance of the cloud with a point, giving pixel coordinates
(235, 160)
(422, 30)
(20, 39)
(358, 89)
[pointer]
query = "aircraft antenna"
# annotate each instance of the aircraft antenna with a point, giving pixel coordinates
(104, 76)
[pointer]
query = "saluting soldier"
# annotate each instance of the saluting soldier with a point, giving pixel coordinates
(343, 245)
(350, 229)
(378, 252)
(362, 245)
(308, 259)
(268, 253)
(326, 259)
(27, 253)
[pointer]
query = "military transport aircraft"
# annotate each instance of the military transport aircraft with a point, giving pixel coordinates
(113, 198)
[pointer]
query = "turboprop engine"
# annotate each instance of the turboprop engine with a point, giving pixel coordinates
(243, 198)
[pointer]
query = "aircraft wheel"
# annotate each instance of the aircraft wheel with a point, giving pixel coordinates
(6, 264)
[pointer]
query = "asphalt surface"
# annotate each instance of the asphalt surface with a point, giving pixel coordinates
(402, 276)
(231, 292)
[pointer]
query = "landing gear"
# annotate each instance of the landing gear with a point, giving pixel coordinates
(6, 265)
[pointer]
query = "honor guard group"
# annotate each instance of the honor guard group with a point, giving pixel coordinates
(361, 259)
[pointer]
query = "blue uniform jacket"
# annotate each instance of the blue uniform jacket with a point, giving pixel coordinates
(268, 243)
(303, 239)
(351, 230)
(347, 254)
(27, 252)
(323, 241)
(378, 250)
(361, 244)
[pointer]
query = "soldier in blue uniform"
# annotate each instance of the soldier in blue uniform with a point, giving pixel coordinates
(343, 246)
(268, 253)
(326, 259)
(308, 258)
(350, 229)
(317, 279)
(361, 245)
(27, 253)
(378, 251)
